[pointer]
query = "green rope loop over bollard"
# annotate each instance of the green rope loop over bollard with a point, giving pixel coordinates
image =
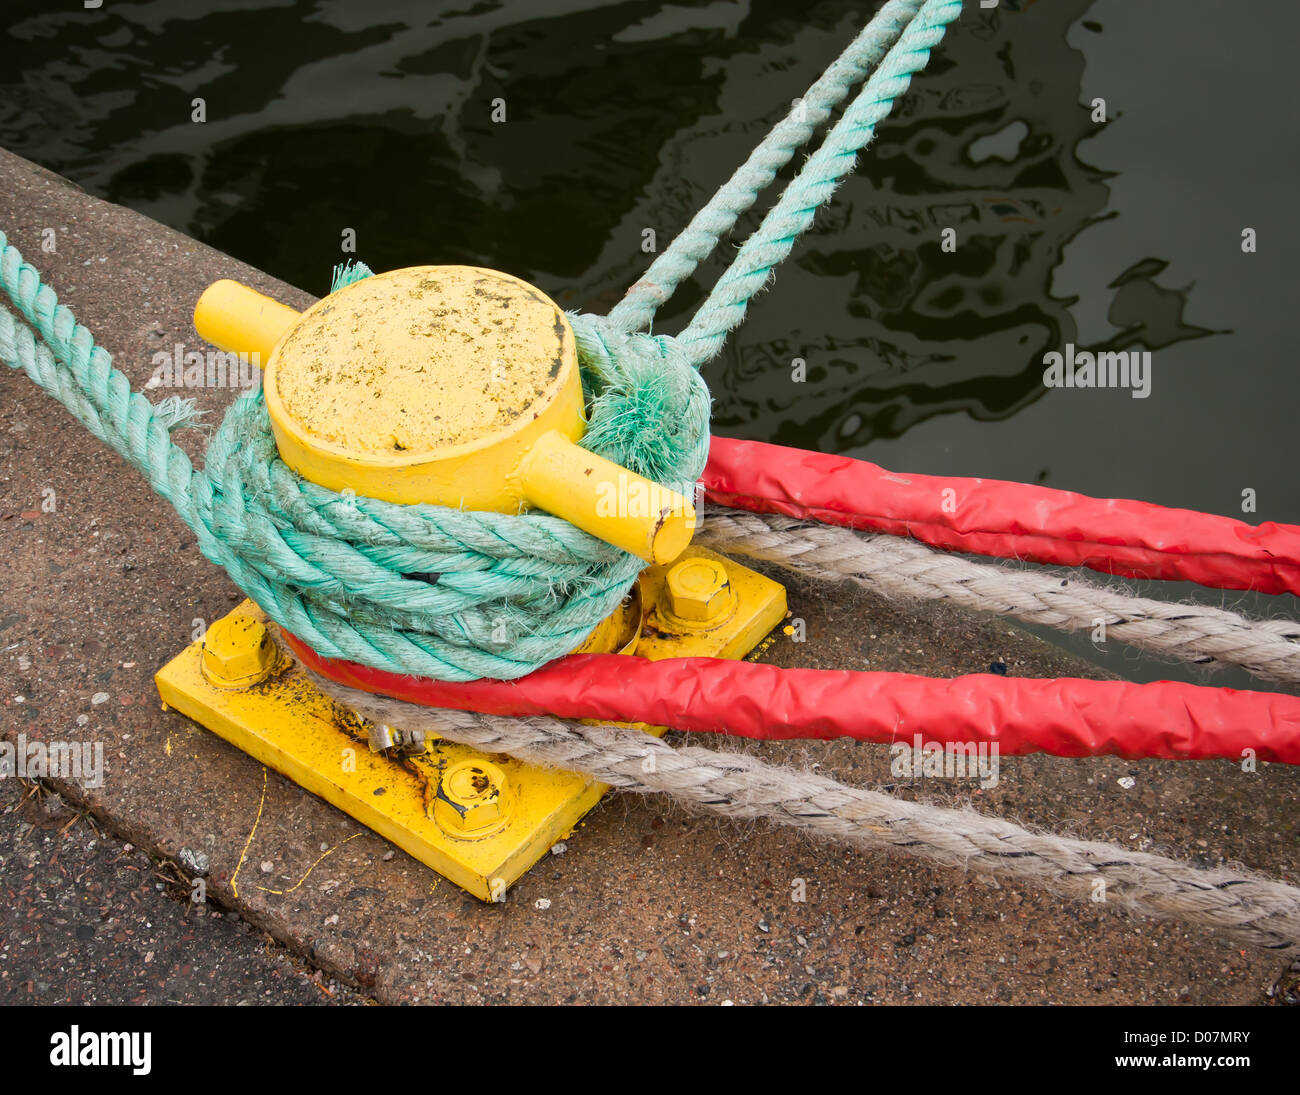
(513, 590)
(445, 593)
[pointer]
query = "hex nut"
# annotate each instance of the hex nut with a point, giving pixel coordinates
(237, 652)
(474, 799)
(699, 591)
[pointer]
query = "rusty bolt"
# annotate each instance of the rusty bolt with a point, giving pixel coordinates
(699, 591)
(473, 800)
(237, 652)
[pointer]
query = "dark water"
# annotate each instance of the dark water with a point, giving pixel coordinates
(376, 116)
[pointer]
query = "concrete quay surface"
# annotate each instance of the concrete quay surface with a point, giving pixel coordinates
(646, 904)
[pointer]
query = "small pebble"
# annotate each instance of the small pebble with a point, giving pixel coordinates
(195, 862)
(542, 903)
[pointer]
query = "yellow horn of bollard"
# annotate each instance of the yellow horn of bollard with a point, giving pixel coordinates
(234, 317)
(452, 385)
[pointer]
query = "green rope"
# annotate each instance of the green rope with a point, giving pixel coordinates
(345, 273)
(445, 593)
(718, 217)
(751, 269)
(351, 575)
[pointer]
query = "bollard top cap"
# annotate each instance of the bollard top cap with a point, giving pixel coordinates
(421, 363)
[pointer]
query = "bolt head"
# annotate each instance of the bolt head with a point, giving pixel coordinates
(699, 591)
(237, 652)
(474, 799)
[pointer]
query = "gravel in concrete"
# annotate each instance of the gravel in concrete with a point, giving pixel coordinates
(88, 919)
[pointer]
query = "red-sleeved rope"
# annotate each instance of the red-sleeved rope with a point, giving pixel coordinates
(1006, 520)
(1066, 717)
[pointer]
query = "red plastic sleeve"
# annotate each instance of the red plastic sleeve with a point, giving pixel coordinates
(1066, 717)
(1006, 520)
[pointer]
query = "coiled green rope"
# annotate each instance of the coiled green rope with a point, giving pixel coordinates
(446, 593)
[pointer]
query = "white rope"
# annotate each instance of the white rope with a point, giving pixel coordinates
(897, 566)
(1251, 908)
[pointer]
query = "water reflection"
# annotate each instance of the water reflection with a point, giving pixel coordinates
(894, 329)
(620, 117)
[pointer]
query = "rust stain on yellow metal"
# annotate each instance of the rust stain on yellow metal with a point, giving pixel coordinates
(493, 838)
(473, 799)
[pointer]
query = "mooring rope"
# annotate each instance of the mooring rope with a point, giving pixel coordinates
(698, 239)
(898, 567)
(752, 267)
(347, 573)
(1249, 907)
(342, 571)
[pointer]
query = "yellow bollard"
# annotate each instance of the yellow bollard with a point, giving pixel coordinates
(452, 385)
(456, 386)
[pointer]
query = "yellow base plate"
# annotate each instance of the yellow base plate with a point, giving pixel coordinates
(290, 726)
